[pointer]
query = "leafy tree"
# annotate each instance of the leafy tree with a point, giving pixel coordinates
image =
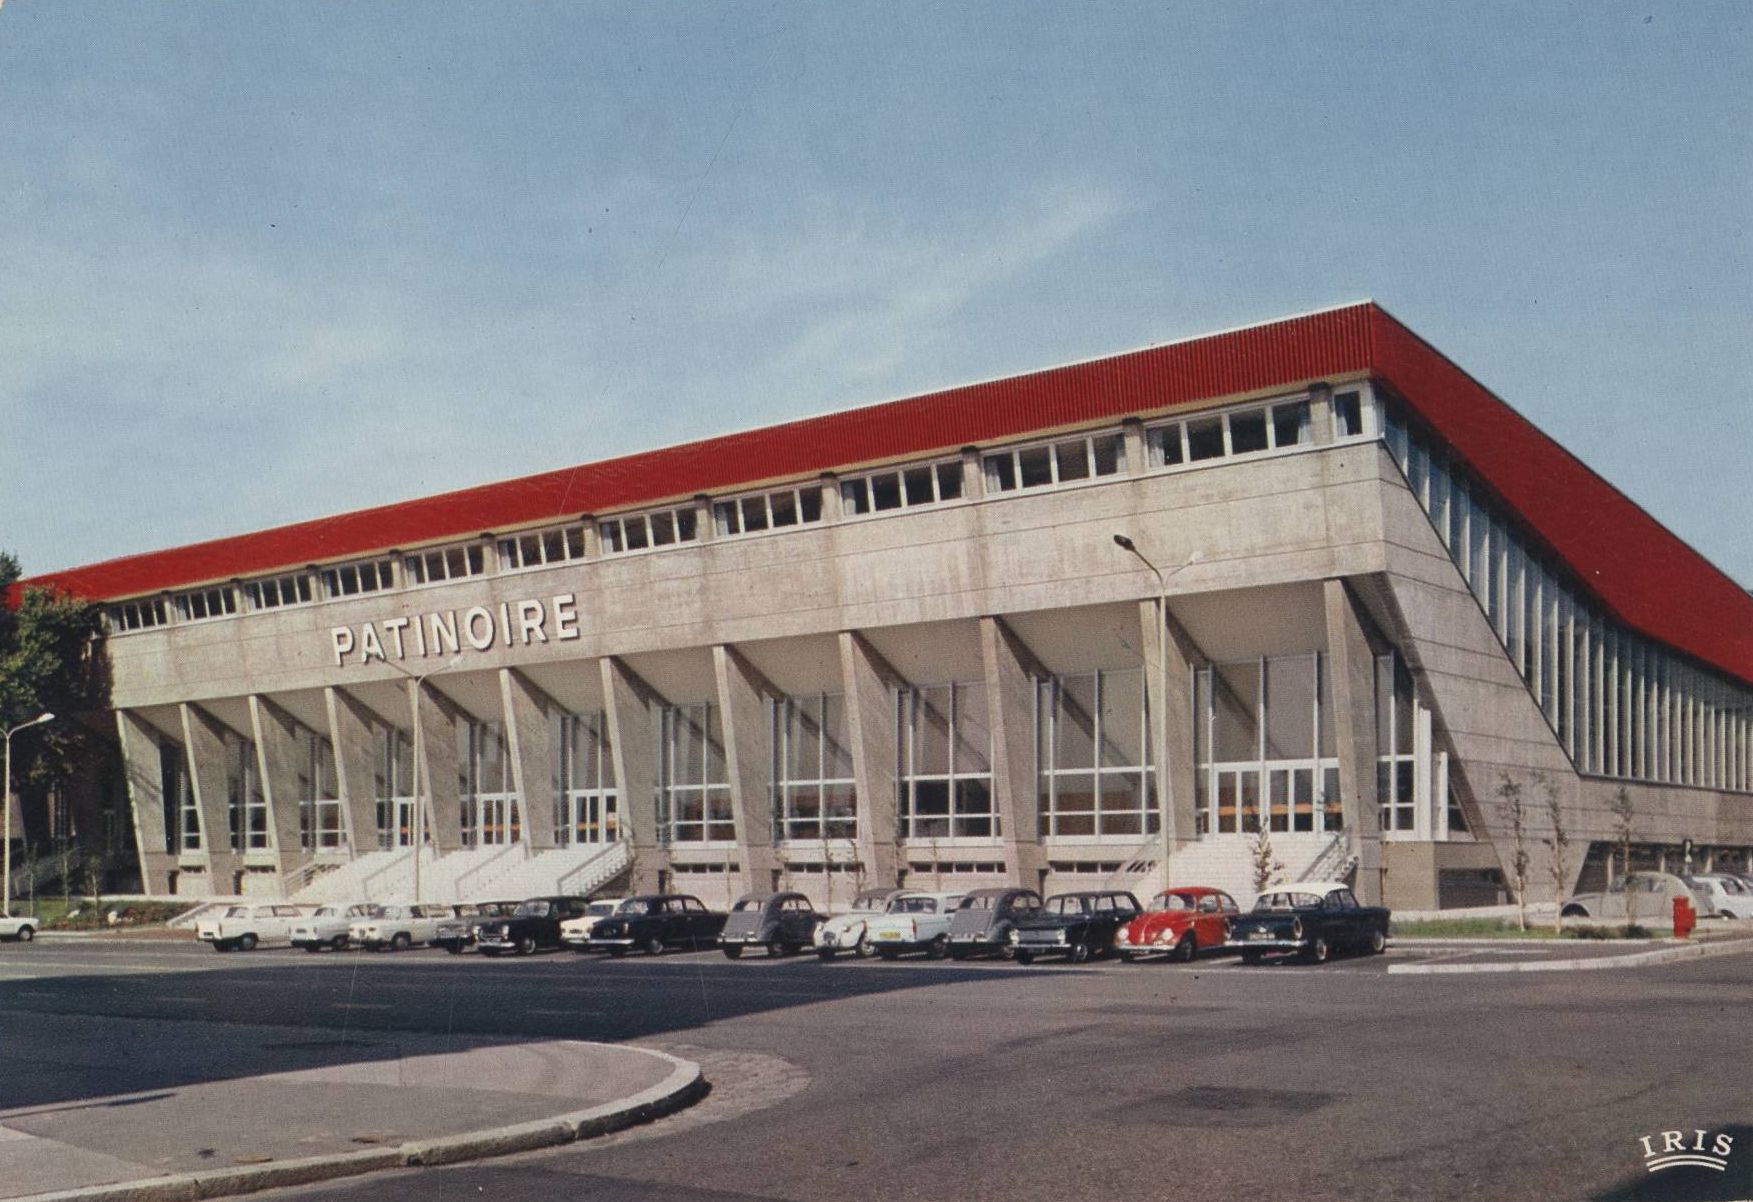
(49, 661)
(1267, 869)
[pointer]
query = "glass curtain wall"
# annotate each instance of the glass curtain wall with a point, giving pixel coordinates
(1619, 704)
(485, 785)
(1266, 755)
(320, 826)
(392, 775)
(814, 796)
(586, 798)
(944, 775)
(1092, 755)
(694, 802)
(246, 805)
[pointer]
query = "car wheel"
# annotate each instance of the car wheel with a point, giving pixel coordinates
(938, 948)
(1320, 950)
(654, 946)
(1022, 957)
(339, 943)
(732, 952)
(246, 943)
(1378, 943)
(26, 934)
(399, 942)
(775, 950)
(1251, 959)
(862, 949)
(526, 944)
(825, 954)
(1187, 950)
(1078, 953)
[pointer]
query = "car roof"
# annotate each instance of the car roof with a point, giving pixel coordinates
(1006, 891)
(1196, 890)
(1306, 887)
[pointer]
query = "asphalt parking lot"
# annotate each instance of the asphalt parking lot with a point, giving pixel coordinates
(916, 1080)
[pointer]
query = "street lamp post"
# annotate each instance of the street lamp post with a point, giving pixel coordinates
(1162, 663)
(6, 837)
(419, 832)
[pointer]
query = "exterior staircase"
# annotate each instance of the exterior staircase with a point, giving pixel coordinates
(580, 869)
(1226, 861)
(506, 872)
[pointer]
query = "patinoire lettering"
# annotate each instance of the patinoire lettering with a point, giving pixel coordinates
(450, 631)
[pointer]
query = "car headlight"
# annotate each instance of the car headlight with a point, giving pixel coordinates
(1012, 937)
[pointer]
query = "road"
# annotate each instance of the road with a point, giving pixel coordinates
(943, 1080)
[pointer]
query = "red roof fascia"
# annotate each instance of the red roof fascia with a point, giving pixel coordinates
(1283, 353)
(1647, 578)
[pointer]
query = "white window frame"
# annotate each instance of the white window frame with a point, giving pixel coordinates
(541, 548)
(619, 532)
(858, 493)
(365, 576)
(731, 515)
(280, 592)
(460, 561)
(1013, 456)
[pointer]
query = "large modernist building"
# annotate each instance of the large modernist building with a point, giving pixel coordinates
(904, 643)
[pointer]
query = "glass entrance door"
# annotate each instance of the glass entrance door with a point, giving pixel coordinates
(497, 820)
(589, 818)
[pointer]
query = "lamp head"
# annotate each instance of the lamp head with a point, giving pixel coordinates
(1124, 543)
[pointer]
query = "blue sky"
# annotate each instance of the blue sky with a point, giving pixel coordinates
(262, 262)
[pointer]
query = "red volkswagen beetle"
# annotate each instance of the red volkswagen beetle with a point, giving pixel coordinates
(1180, 922)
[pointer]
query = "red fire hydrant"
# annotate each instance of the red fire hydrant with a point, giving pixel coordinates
(1685, 917)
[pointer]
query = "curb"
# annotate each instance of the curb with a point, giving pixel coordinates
(1659, 956)
(684, 1086)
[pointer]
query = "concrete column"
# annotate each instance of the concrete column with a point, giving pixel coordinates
(204, 743)
(868, 683)
(278, 752)
(973, 476)
(704, 529)
(1351, 661)
(529, 736)
(1011, 671)
(831, 511)
(1321, 412)
(631, 708)
(1170, 694)
(439, 766)
(593, 537)
(1132, 432)
(144, 774)
(748, 758)
(354, 736)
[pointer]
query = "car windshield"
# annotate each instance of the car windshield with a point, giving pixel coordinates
(325, 912)
(750, 903)
(916, 905)
(1065, 905)
(238, 912)
(600, 908)
(1171, 901)
(533, 909)
(871, 903)
(634, 906)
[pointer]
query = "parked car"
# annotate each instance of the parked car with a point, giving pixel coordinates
(918, 922)
(1075, 925)
(329, 926)
(400, 927)
(1179, 923)
(1728, 895)
(654, 921)
(456, 934)
(244, 927)
(1310, 918)
(575, 931)
(533, 925)
(783, 923)
(1637, 897)
(848, 932)
(986, 920)
(21, 928)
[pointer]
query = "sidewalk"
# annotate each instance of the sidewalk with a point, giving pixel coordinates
(201, 1120)
(1477, 955)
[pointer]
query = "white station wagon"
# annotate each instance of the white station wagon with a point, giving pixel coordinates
(330, 926)
(241, 928)
(919, 922)
(399, 927)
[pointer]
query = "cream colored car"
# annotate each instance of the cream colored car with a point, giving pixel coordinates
(400, 927)
(245, 927)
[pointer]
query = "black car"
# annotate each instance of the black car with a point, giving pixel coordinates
(455, 934)
(534, 924)
(1312, 919)
(1075, 925)
(783, 923)
(654, 921)
(987, 918)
